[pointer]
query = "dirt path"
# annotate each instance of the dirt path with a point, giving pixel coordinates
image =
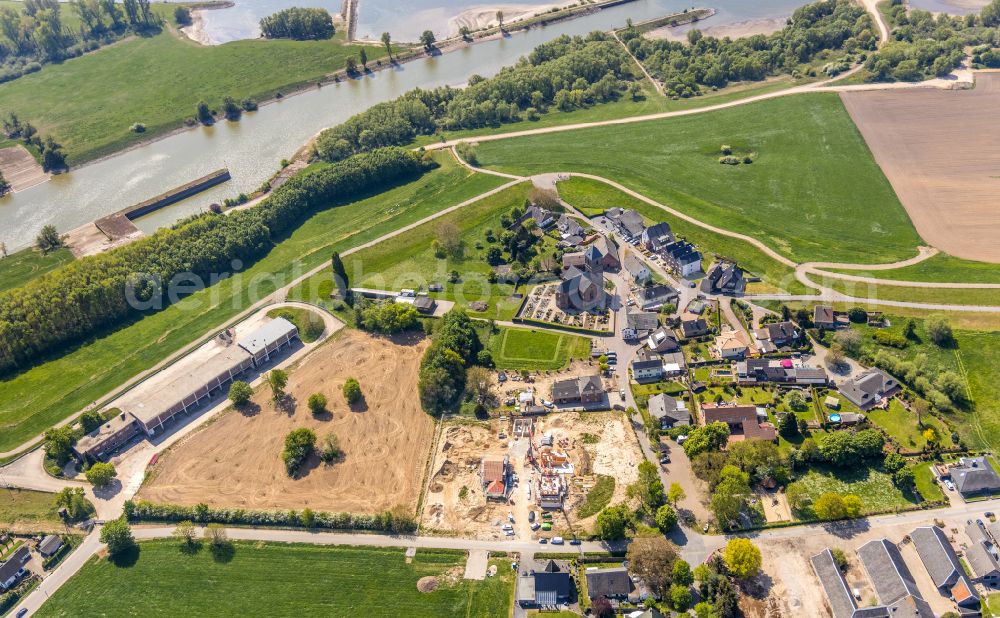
(642, 67)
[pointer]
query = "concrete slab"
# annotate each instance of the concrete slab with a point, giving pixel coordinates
(476, 565)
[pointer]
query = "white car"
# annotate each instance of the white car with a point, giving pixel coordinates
(557, 540)
(547, 403)
(949, 485)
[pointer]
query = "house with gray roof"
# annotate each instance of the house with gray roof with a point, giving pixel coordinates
(581, 290)
(628, 222)
(663, 340)
(724, 278)
(838, 596)
(869, 388)
(585, 389)
(843, 604)
(887, 571)
(569, 226)
(610, 583)
(542, 216)
(974, 476)
(49, 545)
(637, 270)
(982, 554)
(13, 569)
(655, 296)
(670, 412)
(657, 236)
(682, 257)
(697, 327)
(943, 566)
(642, 322)
(608, 252)
(546, 587)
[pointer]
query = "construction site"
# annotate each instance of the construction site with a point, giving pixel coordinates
(488, 477)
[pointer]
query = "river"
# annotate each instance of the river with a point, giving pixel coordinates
(253, 147)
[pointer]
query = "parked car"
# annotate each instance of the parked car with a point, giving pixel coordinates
(557, 540)
(531, 516)
(949, 485)
(574, 541)
(543, 541)
(547, 403)
(664, 460)
(535, 526)
(21, 613)
(622, 393)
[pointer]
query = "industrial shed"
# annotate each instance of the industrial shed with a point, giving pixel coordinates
(268, 339)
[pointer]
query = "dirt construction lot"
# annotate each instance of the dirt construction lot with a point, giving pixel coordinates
(938, 149)
(236, 460)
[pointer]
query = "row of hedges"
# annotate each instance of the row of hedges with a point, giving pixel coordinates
(387, 521)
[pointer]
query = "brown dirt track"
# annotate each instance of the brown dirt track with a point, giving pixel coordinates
(235, 461)
(939, 150)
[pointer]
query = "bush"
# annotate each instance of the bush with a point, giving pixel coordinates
(182, 15)
(330, 449)
(939, 330)
(137, 127)
(117, 535)
(352, 391)
(240, 393)
(386, 317)
(886, 338)
(298, 23)
(317, 403)
(100, 474)
(299, 444)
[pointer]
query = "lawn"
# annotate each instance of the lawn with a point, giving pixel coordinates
(902, 426)
(309, 323)
(89, 103)
(813, 192)
(409, 260)
(594, 197)
(273, 579)
(28, 510)
(925, 482)
(21, 267)
(598, 497)
(985, 297)
(533, 350)
(940, 267)
(33, 400)
(874, 487)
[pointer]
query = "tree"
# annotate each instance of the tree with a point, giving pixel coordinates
(240, 393)
(52, 155)
(48, 239)
(788, 425)
(852, 505)
(939, 330)
(711, 437)
(742, 558)
(387, 42)
(729, 498)
(215, 534)
(330, 449)
(340, 280)
(117, 535)
(204, 114)
(352, 391)
(184, 533)
(893, 462)
(829, 507)
(4, 190)
(682, 573)
(182, 15)
(59, 444)
(500, 19)
(464, 32)
(857, 315)
(648, 488)
(73, 500)
(850, 341)
(100, 474)
(666, 518)
(277, 379)
(298, 23)
(363, 57)
(910, 329)
(230, 109)
(91, 420)
(601, 608)
(350, 65)
(675, 494)
(427, 39)
(612, 522)
(652, 559)
(299, 444)
(835, 357)
(680, 597)
(317, 403)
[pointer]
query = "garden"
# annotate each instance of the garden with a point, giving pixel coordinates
(535, 350)
(874, 487)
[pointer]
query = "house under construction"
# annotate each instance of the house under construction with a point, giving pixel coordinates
(495, 475)
(551, 490)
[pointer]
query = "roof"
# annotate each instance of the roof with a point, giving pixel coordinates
(635, 266)
(606, 247)
(976, 475)
(631, 221)
(659, 230)
(724, 277)
(732, 340)
(744, 417)
(657, 292)
(664, 406)
(868, 387)
(693, 328)
(887, 571)
(14, 564)
(681, 252)
(779, 331)
(552, 582)
(838, 597)
(642, 320)
(50, 544)
(424, 302)
(566, 389)
(612, 582)
(823, 314)
(117, 423)
(938, 556)
(267, 334)
(582, 280)
(663, 340)
(591, 384)
(980, 553)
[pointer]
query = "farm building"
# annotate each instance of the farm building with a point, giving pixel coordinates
(268, 339)
(104, 440)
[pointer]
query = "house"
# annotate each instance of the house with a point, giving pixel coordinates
(12, 570)
(657, 236)
(974, 476)
(694, 327)
(743, 421)
(49, 545)
(778, 371)
(581, 290)
(608, 253)
(642, 322)
(494, 474)
(656, 296)
(682, 258)
(551, 490)
(568, 227)
(425, 304)
(546, 587)
(943, 566)
(628, 222)
(585, 389)
(543, 217)
(724, 278)
(637, 270)
(893, 583)
(982, 554)
(610, 583)
(732, 344)
(777, 335)
(575, 259)
(838, 596)
(668, 411)
(823, 318)
(869, 388)
(663, 340)
(106, 439)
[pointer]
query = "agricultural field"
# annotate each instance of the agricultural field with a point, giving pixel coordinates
(304, 580)
(986, 297)
(409, 260)
(235, 461)
(29, 511)
(89, 103)
(19, 268)
(33, 400)
(813, 191)
(534, 350)
(594, 197)
(874, 487)
(942, 164)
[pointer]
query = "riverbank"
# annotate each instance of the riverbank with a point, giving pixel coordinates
(734, 31)
(485, 17)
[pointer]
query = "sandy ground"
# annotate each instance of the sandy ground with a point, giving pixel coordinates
(937, 151)
(196, 31)
(89, 240)
(21, 169)
(235, 461)
(485, 16)
(734, 31)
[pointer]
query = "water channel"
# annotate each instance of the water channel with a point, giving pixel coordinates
(253, 148)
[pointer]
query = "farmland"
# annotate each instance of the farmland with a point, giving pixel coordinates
(341, 581)
(813, 191)
(517, 348)
(33, 400)
(89, 103)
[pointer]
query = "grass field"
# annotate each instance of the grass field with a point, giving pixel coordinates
(874, 487)
(594, 197)
(26, 510)
(408, 261)
(309, 323)
(902, 426)
(984, 297)
(813, 192)
(271, 579)
(19, 268)
(925, 482)
(33, 400)
(940, 267)
(532, 350)
(89, 103)
(598, 497)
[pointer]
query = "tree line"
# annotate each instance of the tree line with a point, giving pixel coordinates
(567, 72)
(454, 349)
(36, 34)
(298, 23)
(704, 61)
(87, 296)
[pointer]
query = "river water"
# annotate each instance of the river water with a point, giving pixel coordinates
(253, 148)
